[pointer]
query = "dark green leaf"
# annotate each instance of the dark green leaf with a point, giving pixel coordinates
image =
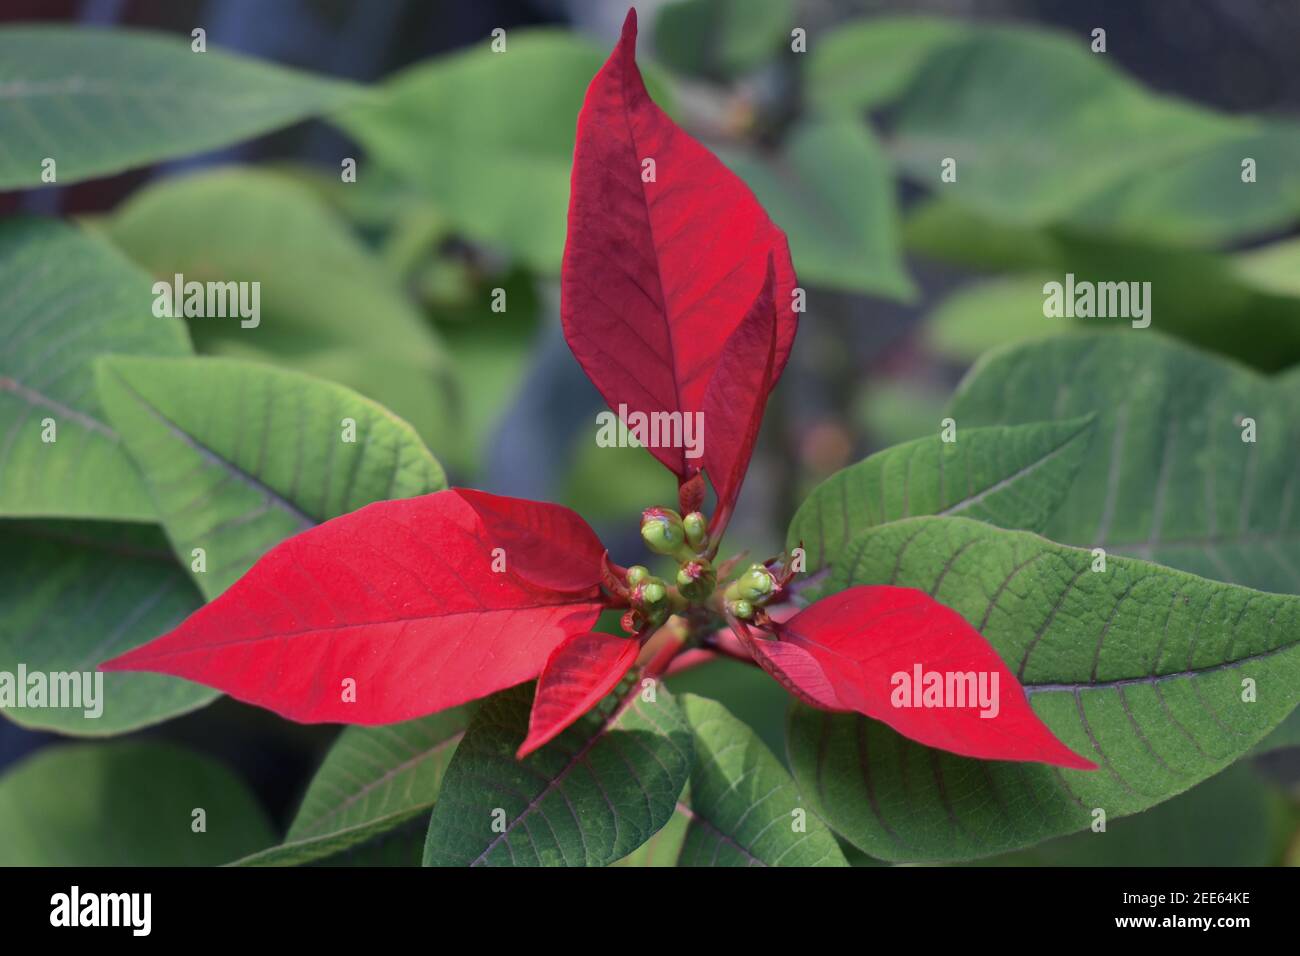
(1011, 477)
(1170, 478)
(374, 780)
(744, 808)
(592, 796)
(73, 594)
(1141, 668)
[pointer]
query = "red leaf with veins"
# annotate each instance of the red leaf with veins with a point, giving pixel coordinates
(735, 399)
(402, 598)
(658, 275)
(869, 644)
(579, 673)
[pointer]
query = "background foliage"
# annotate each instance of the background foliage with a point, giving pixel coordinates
(1121, 166)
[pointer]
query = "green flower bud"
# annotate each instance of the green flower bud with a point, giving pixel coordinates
(741, 609)
(696, 580)
(755, 584)
(697, 530)
(662, 531)
(636, 574)
(653, 593)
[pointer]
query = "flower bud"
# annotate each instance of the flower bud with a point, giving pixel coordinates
(697, 531)
(650, 599)
(741, 609)
(636, 574)
(663, 533)
(755, 584)
(696, 579)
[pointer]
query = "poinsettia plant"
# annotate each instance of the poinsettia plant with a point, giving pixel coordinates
(1071, 603)
(678, 300)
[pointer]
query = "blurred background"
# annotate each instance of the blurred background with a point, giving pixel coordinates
(1122, 164)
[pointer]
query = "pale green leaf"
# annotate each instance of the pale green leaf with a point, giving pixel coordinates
(832, 191)
(868, 63)
(1032, 120)
(125, 803)
(101, 101)
(489, 136)
(240, 456)
(66, 297)
(318, 287)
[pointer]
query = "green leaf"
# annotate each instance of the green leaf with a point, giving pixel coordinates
(239, 456)
(721, 38)
(125, 803)
(1273, 269)
(1012, 477)
(749, 694)
(1138, 667)
(1285, 735)
(1170, 478)
(380, 842)
(589, 798)
(744, 808)
(869, 63)
(898, 409)
(832, 191)
(373, 780)
(984, 315)
(664, 848)
(1239, 306)
(101, 101)
(950, 232)
(1033, 120)
(1232, 819)
(73, 594)
(1200, 199)
(486, 138)
(318, 286)
(67, 298)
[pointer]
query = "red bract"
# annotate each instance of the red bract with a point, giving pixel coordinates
(666, 252)
(578, 674)
(899, 656)
(735, 400)
(422, 603)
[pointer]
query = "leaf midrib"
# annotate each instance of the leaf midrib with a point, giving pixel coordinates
(314, 828)
(214, 457)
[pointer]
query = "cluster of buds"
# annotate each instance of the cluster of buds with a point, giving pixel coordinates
(686, 540)
(649, 599)
(757, 587)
